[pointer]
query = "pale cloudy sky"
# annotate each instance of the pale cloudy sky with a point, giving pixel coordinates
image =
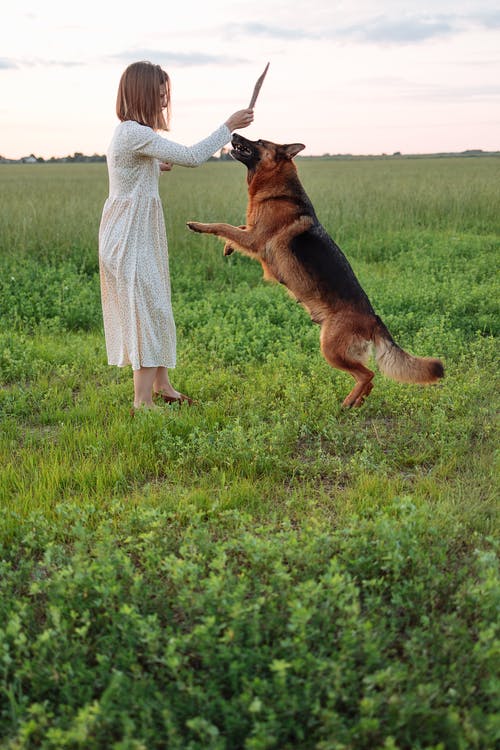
(366, 76)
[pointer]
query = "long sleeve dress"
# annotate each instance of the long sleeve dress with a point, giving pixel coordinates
(139, 325)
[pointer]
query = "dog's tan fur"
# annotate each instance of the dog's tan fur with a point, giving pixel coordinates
(283, 233)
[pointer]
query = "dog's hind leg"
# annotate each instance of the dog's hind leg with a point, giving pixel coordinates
(363, 387)
(345, 353)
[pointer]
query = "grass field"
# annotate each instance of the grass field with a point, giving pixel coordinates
(265, 569)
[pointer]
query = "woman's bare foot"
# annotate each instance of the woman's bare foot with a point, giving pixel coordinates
(168, 391)
(163, 388)
(174, 398)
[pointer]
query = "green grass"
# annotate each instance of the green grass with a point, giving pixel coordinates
(263, 570)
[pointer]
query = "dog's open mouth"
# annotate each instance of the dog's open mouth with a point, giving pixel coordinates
(240, 150)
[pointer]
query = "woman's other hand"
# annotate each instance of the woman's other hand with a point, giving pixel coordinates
(165, 166)
(240, 119)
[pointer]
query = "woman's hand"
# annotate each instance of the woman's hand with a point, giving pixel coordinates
(240, 119)
(165, 166)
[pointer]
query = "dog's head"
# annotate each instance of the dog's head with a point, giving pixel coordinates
(262, 155)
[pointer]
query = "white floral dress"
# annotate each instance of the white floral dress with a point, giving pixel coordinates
(133, 255)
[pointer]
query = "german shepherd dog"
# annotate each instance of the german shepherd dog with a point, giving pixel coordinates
(283, 233)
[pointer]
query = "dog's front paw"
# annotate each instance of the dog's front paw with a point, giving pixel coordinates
(195, 226)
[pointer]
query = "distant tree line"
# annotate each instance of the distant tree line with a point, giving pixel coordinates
(225, 155)
(76, 157)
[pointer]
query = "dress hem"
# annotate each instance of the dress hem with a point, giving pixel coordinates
(129, 364)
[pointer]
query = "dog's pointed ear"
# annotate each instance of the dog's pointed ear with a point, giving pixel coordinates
(292, 149)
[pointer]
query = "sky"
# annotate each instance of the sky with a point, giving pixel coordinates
(359, 77)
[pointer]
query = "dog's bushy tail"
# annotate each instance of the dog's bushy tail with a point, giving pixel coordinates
(399, 365)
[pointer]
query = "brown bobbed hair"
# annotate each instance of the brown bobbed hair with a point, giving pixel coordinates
(139, 95)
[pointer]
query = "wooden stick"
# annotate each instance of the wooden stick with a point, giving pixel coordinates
(257, 88)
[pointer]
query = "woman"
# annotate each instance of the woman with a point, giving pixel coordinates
(133, 257)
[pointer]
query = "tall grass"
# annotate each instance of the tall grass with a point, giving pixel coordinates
(263, 570)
